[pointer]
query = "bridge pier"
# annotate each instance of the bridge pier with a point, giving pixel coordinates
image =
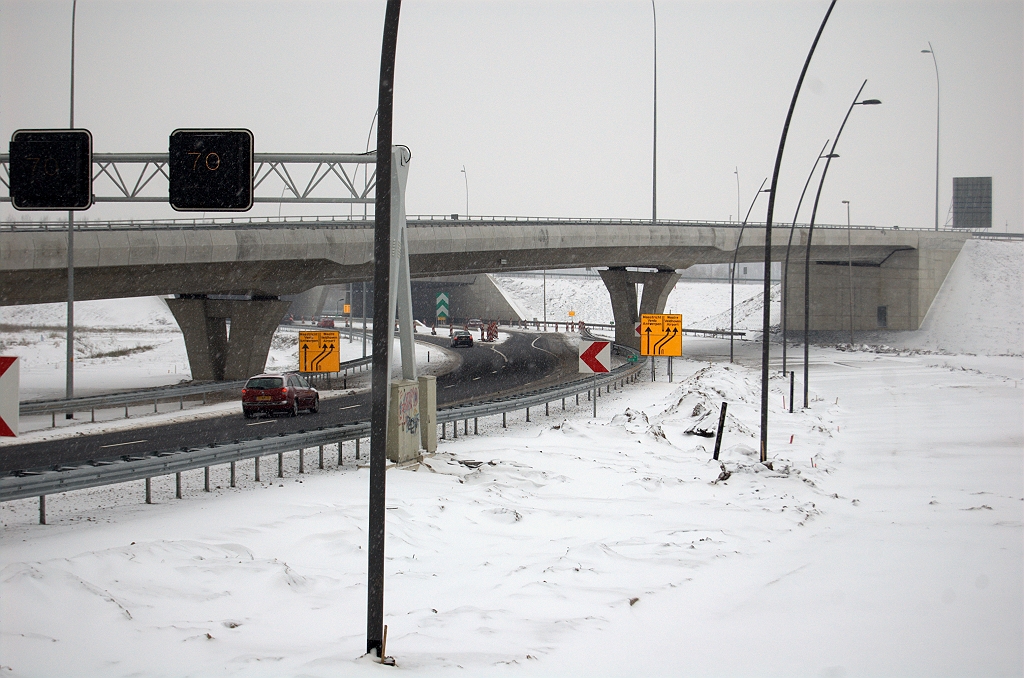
(621, 286)
(213, 354)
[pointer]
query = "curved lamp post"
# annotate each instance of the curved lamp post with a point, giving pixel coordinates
(732, 268)
(931, 50)
(810, 231)
(849, 265)
(789, 245)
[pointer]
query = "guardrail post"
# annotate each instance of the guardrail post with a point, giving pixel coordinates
(149, 490)
(154, 407)
(504, 424)
(547, 412)
(302, 460)
(181, 403)
(206, 479)
(42, 509)
(340, 459)
(53, 420)
(125, 411)
(527, 414)
(93, 417)
(357, 449)
(563, 403)
(280, 464)
(177, 485)
(256, 463)
(232, 474)
(322, 456)
(792, 376)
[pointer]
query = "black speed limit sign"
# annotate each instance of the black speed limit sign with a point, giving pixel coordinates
(210, 170)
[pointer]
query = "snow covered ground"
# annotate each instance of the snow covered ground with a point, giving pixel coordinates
(886, 539)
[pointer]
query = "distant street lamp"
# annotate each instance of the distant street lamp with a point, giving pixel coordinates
(466, 177)
(810, 235)
(737, 173)
(849, 254)
(732, 269)
(654, 154)
(931, 50)
(789, 245)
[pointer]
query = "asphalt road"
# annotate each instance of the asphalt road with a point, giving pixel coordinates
(522, 362)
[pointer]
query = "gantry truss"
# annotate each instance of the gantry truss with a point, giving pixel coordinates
(277, 177)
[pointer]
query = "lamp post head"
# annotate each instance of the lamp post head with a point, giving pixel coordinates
(926, 51)
(870, 102)
(846, 202)
(830, 155)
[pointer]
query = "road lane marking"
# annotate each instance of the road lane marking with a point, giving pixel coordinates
(349, 407)
(260, 423)
(534, 345)
(133, 442)
(503, 356)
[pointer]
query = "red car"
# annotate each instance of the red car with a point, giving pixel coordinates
(279, 393)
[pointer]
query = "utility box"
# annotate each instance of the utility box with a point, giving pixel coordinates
(404, 421)
(428, 413)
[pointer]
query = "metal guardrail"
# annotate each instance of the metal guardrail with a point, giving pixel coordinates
(31, 484)
(686, 330)
(111, 400)
(367, 221)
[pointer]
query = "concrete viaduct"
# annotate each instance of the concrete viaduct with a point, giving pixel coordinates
(897, 273)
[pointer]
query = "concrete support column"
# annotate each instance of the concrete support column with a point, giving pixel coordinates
(657, 287)
(622, 290)
(213, 354)
(621, 286)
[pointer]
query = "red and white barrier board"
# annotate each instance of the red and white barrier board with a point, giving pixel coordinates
(10, 375)
(595, 356)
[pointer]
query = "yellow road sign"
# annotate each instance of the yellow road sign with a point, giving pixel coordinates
(347, 308)
(661, 334)
(319, 352)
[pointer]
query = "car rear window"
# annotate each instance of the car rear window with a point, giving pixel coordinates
(265, 382)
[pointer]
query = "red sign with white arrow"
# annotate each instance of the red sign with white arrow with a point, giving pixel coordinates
(595, 356)
(9, 383)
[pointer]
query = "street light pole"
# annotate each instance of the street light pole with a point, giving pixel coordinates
(766, 316)
(789, 245)
(654, 155)
(382, 337)
(737, 173)
(849, 254)
(810, 234)
(465, 175)
(732, 269)
(931, 50)
(69, 387)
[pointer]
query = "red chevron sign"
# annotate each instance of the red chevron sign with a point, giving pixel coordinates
(595, 356)
(9, 378)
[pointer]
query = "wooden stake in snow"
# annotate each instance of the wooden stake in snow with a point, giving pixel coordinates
(721, 428)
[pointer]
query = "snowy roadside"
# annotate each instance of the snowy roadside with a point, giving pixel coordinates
(558, 548)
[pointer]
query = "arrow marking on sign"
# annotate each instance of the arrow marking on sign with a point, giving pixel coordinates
(589, 357)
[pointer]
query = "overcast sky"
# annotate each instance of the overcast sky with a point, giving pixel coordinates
(548, 105)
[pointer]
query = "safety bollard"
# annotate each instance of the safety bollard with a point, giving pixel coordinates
(256, 463)
(42, 509)
(177, 485)
(232, 474)
(149, 490)
(206, 479)
(302, 460)
(280, 464)
(322, 457)
(341, 459)
(475, 421)
(503, 423)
